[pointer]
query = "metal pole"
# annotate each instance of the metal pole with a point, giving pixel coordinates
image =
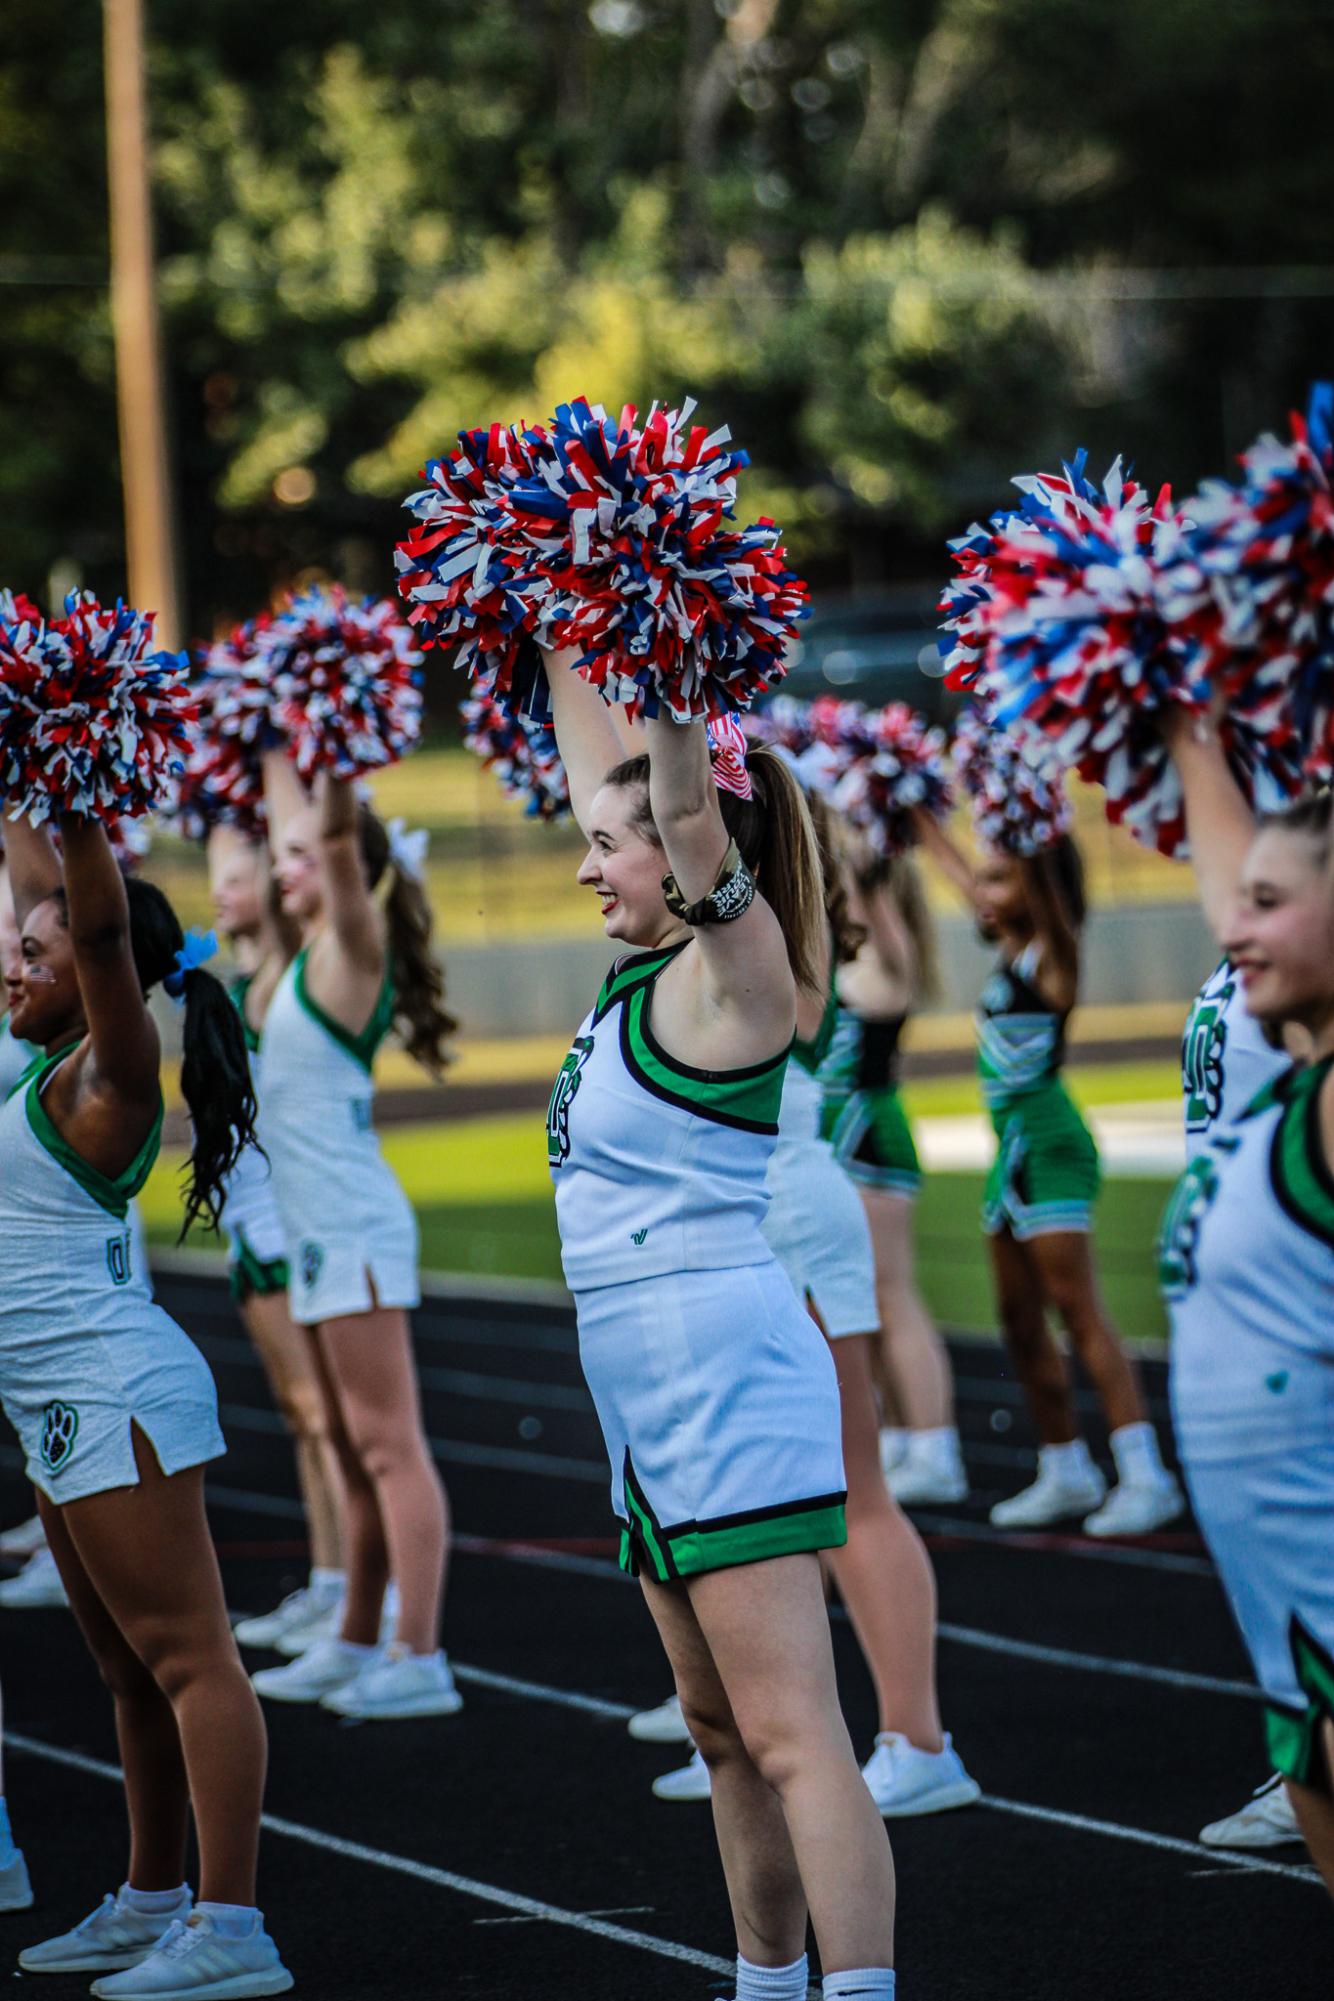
(140, 399)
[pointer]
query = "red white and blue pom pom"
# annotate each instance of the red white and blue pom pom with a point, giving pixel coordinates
(346, 676)
(878, 767)
(521, 752)
(1261, 614)
(16, 609)
(1015, 787)
(93, 719)
(236, 694)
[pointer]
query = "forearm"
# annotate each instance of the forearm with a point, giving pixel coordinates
(945, 851)
(284, 794)
(586, 733)
(34, 866)
(1220, 824)
(683, 800)
(337, 801)
(97, 909)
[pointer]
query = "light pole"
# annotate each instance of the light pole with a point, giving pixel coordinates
(140, 389)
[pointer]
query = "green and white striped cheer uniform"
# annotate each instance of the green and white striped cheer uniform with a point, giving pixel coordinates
(863, 1117)
(715, 1390)
(1246, 1258)
(85, 1354)
(347, 1224)
(1046, 1174)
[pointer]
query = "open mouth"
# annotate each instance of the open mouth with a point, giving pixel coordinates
(608, 902)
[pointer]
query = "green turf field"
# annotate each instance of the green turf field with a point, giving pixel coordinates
(483, 1198)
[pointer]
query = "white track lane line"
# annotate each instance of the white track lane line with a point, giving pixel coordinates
(1114, 1830)
(538, 1691)
(423, 1872)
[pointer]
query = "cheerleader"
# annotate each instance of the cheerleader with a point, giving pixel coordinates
(243, 902)
(1038, 1204)
(717, 1396)
(116, 1409)
(1247, 1265)
(364, 964)
(864, 1119)
(820, 1236)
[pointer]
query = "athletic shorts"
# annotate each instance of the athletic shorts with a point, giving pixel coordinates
(1046, 1173)
(74, 1399)
(719, 1408)
(870, 1133)
(816, 1227)
(331, 1276)
(1269, 1524)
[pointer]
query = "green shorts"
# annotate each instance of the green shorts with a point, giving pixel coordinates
(253, 1277)
(1046, 1173)
(869, 1132)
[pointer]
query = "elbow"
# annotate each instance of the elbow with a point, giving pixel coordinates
(101, 939)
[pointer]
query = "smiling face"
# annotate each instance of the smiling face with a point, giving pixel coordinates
(237, 885)
(41, 987)
(1002, 901)
(625, 868)
(1280, 936)
(296, 867)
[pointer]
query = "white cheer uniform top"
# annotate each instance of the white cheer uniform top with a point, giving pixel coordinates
(328, 1170)
(68, 1258)
(658, 1167)
(1225, 1060)
(1246, 1261)
(15, 1058)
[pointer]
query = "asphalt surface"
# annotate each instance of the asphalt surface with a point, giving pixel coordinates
(515, 1852)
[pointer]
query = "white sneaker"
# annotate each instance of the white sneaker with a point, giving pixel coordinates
(905, 1781)
(1056, 1495)
(327, 1666)
(930, 1469)
(1135, 1507)
(15, 1889)
(37, 1584)
(110, 1937)
(298, 1612)
(893, 1445)
(691, 1782)
(25, 1540)
(663, 1725)
(195, 1963)
(397, 1683)
(1266, 1821)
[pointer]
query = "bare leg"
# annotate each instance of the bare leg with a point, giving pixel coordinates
(767, 1631)
(1064, 1260)
(1314, 1808)
(763, 1882)
(284, 1349)
(916, 1356)
(146, 1554)
(367, 1358)
(883, 1573)
(365, 1552)
(1038, 1361)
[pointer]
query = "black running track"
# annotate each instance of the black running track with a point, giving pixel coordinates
(1100, 1695)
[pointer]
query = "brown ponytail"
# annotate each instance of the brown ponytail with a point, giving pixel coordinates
(848, 935)
(778, 844)
(420, 1017)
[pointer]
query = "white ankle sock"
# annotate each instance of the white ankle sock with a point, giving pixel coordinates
(327, 1583)
(230, 1920)
(1135, 1450)
(771, 1983)
(6, 1838)
(861, 1983)
(152, 1903)
(941, 1443)
(1067, 1462)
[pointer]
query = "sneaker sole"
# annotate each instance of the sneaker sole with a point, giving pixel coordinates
(17, 1903)
(1074, 1513)
(1248, 1842)
(240, 1987)
(660, 1734)
(965, 1792)
(312, 1695)
(439, 1705)
(682, 1798)
(1140, 1528)
(105, 1962)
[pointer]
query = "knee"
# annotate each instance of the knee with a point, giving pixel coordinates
(712, 1726)
(125, 1676)
(389, 1452)
(779, 1740)
(303, 1411)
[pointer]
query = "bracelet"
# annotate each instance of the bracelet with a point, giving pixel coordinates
(732, 894)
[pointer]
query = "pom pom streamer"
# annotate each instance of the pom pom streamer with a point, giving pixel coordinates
(615, 539)
(1014, 785)
(344, 676)
(222, 782)
(875, 766)
(93, 719)
(521, 752)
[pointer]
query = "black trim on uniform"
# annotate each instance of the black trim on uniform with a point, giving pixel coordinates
(632, 1486)
(709, 1076)
(683, 1103)
(746, 1516)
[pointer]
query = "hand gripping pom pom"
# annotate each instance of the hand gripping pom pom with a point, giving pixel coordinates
(1014, 785)
(1254, 599)
(93, 721)
(521, 752)
(345, 673)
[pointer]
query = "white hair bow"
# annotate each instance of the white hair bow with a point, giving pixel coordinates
(407, 848)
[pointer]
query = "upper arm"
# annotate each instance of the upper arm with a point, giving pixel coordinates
(891, 939)
(354, 915)
(1058, 941)
(125, 1053)
(586, 733)
(1220, 824)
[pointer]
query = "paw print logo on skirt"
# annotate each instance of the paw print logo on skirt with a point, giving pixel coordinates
(60, 1425)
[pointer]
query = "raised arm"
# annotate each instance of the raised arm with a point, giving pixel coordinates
(945, 851)
(1058, 941)
(284, 794)
(587, 737)
(891, 940)
(125, 1050)
(355, 916)
(1220, 823)
(745, 961)
(34, 866)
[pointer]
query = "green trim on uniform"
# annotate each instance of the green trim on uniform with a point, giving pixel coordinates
(1298, 1169)
(748, 1098)
(362, 1047)
(812, 1054)
(237, 992)
(789, 1528)
(871, 1135)
(1293, 1736)
(112, 1194)
(252, 1277)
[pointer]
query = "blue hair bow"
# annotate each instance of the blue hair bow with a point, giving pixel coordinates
(199, 946)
